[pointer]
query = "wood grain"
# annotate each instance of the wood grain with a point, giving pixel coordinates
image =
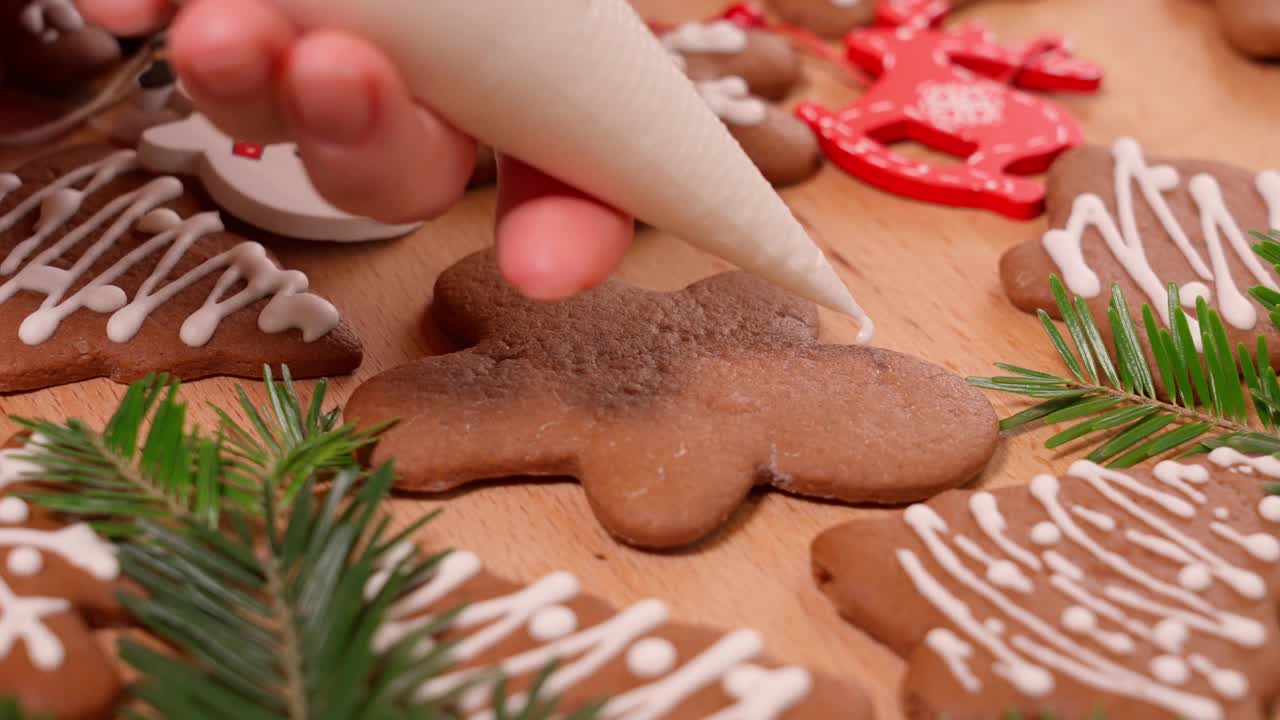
(927, 274)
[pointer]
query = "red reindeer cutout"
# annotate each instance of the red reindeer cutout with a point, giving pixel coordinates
(951, 91)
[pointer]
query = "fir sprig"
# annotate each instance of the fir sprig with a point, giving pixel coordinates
(1268, 248)
(1131, 411)
(147, 464)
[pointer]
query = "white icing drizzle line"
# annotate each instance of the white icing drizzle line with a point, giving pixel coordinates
(1065, 246)
(724, 37)
(49, 19)
(731, 100)
(1230, 458)
(1179, 476)
(759, 694)
(1026, 660)
(986, 512)
(21, 618)
(290, 305)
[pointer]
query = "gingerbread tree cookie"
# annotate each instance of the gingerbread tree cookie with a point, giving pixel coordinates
(670, 407)
(644, 664)
(1137, 594)
(108, 271)
(1118, 217)
(57, 582)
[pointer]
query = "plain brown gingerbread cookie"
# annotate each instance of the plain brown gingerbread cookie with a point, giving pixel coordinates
(768, 62)
(64, 580)
(670, 407)
(783, 147)
(79, 348)
(638, 657)
(1091, 171)
(1252, 26)
(1139, 594)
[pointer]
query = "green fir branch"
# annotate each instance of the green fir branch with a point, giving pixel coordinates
(147, 464)
(1189, 396)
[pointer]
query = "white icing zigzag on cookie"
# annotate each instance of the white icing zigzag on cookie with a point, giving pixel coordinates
(1121, 236)
(50, 19)
(761, 694)
(1102, 627)
(22, 618)
(58, 202)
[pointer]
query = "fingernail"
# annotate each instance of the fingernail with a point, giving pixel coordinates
(333, 105)
(234, 71)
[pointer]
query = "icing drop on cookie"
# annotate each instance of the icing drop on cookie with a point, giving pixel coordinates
(1195, 577)
(1045, 533)
(1222, 513)
(13, 510)
(731, 100)
(1122, 237)
(1269, 508)
(1227, 683)
(1170, 670)
(289, 307)
(1081, 621)
(1177, 476)
(25, 561)
(1229, 457)
(1102, 521)
(723, 37)
(1000, 573)
(651, 657)
(956, 654)
(1260, 545)
(581, 652)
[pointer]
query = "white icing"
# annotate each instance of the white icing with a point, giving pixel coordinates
(1222, 513)
(1102, 521)
(1121, 236)
(1159, 546)
(290, 306)
(651, 657)
(986, 512)
(720, 36)
(1170, 635)
(1269, 508)
(552, 623)
(1195, 577)
(994, 625)
(1230, 457)
(1062, 566)
(13, 510)
(22, 619)
(956, 653)
(1177, 476)
(25, 561)
(1000, 573)
(1045, 533)
(1170, 670)
(1227, 683)
(731, 100)
(1260, 545)
(50, 19)
(583, 652)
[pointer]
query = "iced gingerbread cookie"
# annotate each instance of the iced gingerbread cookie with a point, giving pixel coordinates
(109, 271)
(645, 664)
(1119, 217)
(834, 18)
(57, 583)
(738, 70)
(1252, 26)
(669, 407)
(1143, 595)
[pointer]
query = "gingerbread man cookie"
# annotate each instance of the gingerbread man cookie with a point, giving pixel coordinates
(57, 583)
(1118, 217)
(645, 664)
(834, 18)
(669, 407)
(45, 46)
(107, 271)
(1142, 595)
(738, 70)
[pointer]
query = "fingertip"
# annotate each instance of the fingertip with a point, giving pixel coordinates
(134, 17)
(555, 241)
(369, 148)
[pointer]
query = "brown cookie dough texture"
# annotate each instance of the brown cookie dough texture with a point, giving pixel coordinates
(1252, 26)
(109, 271)
(45, 46)
(58, 583)
(670, 407)
(766, 61)
(645, 664)
(1095, 193)
(1140, 594)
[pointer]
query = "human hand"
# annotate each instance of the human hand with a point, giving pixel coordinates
(368, 146)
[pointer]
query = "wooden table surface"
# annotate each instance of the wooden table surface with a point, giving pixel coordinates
(926, 273)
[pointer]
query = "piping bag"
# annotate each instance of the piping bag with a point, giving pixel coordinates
(583, 90)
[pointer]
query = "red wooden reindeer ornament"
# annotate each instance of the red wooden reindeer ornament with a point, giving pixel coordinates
(951, 91)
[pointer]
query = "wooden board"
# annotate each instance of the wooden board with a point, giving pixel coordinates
(927, 274)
